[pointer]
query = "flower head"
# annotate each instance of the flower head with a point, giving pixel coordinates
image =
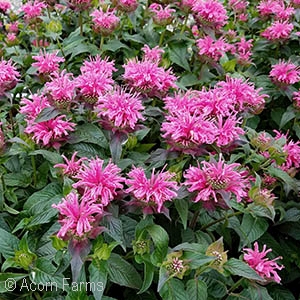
(296, 99)
(210, 13)
(47, 63)
(51, 132)
(121, 109)
(76, 217)
(285, 73)
(4, 6)
(210, 49)
(278, 31)
(153, 54)
(126, 5)
(9, 76)
(105, 22)
(243, 51)
(33, 106)
(216, 182)
(161, 15)
(61, 88)
(148, 78)
(151, 193)
(261, 264)
(33, 9)
(79, 5)
(72, 166)
(99, 184)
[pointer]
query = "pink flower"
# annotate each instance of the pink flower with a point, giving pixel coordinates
(72, 166)
(105, 22)
(242, 94)
(283, 13)
(4, 6)
(261, 264)
(278, 31)
(210, 49)
(296, 99)
(47, 63)
(100, 184)
(151, 193)
(161, 15)
(188, 131)
(126, 5)
(61, 88)
(239, 6)
(153, 54)
(121, 109)
(32, 107)
(13, 27)
(211, 13)
(33, 9)
(267, 7)
(76, 217)
(228, 130)
(79, 5)
(9, 76)
(292, 150)
(148, 78)
(216, 182)
(187, 5)
(52, 132)
(285, 73)
(11, 39)
(243, 49)
(95, 79)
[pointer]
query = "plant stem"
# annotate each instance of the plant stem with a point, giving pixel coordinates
(101, 43)
(162, 38)
(220, 220)
(80, 23)
(11, 118)
(184, 24)
(194, 220)
(34, 170)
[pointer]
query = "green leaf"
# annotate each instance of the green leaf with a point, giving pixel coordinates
(22, 179)
(11, 277)
(88, 150)
(47, 114)
(189, 80)
(160, 239)
(279, 293)
(258, 292)
(123, 273)
(89, 133)
(288, 115)
(196, 260)
(288, 180)
(52, 157)
(178, 54)
(98, 277)
(258, 210)
(148, 277)
(252, 229)
(42, 201)
(240, 268)
(173, 290)
(182, 207)
(8, 244)
(137, 38)
(196, 289)
(115, 230)
(113, 45)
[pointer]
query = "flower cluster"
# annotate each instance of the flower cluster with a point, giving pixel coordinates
(161, 15)
(285, 73)
(261, 264)
(9, 76)
(105, 22)
(216, 182)
(32, 9)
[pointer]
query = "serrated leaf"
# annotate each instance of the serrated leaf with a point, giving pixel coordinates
(47, 114)
(52, 157)
(148, 277)
(18, 179)
(113, 45)
(252, 229)
(98, 276)
(177, 54)
(173, 290)
(8, 243)
(123, 273)
(182, 208)
(240, 268)
(89, 133)
(196, 289)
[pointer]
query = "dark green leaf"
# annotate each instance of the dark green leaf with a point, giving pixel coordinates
(11, 277)
(8, 243)
(182, 207)
(52, 157)
(123, 273)
(98, 277)
(178, 54)
(240, 268)
(148, 277)
(173, 290)
(47, 114)
(196, 289)
(113, 45)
